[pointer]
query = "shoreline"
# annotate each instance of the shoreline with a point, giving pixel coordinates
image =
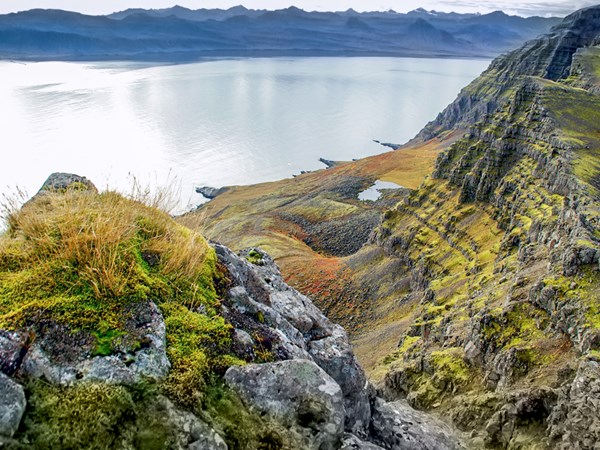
(198, 57)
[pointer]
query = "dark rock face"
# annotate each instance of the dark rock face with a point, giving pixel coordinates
(210, 192)
(59, 182)
(574, 421)
(13, 348)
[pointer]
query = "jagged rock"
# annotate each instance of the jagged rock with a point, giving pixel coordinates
(210, 192)
(191, 433)
(575, 422)
(351, 442)
(58, 182)
(303, 332)
(473, 354)
(297, 394)
(334, 354)
(12, 406)
(524, 408)
(13, 347)
(397, 426)
(44, 358)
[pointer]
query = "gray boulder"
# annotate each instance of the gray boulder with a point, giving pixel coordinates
(12, 406)
(398, 426)
(334, 354)
(298, 395)
(126, 366)
(190, 432)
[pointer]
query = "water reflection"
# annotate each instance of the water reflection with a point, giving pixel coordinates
(213, 123)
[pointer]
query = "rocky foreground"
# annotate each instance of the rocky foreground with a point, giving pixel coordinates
(73, 377)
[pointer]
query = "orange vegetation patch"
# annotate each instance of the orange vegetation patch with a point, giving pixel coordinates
(326, 282)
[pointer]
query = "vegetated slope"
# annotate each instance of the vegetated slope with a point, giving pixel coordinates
(120, 328)
(179, 34)
(499, 253)
(490, 269)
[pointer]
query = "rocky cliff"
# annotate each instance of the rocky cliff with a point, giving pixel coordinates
(121, 329)
(501, 250)
(486, 277)
(549, 56)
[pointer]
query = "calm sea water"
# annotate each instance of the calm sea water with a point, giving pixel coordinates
(212, 123)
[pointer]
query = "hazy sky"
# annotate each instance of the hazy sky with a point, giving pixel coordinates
(520, 7)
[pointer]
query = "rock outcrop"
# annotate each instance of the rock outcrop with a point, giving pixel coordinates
(298, 395)
(303, 379)
(60, 357)
(12, 406)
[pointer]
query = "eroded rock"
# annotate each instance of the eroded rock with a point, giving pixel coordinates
(296, 394)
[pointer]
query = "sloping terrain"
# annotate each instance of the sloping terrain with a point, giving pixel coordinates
(478, 295)
(121, 329)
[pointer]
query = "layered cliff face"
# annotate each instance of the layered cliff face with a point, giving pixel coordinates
(549, 57)
(499, 252)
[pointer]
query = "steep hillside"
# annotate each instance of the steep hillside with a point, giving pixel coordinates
(121, 329)
(486, 278)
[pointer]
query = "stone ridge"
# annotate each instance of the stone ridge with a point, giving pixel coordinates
(501, 250)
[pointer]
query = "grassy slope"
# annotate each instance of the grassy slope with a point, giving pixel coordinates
(257, 215)
(73, 267)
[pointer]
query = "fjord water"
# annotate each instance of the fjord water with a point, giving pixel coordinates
(216, 123)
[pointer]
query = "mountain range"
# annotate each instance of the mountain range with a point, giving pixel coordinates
(181, 33)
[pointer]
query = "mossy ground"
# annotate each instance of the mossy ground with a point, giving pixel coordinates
(82, 261)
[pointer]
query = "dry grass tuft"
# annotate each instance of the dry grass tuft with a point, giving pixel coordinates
(101, 247)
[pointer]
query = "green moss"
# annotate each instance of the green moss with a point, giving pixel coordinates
(450, 368)
(106, 339)
(241, 428)
(92, 416)
(255, 257)
(198, 346)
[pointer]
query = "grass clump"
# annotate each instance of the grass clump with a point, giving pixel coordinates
(82, 261)
(78, 256)
(255, 257)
